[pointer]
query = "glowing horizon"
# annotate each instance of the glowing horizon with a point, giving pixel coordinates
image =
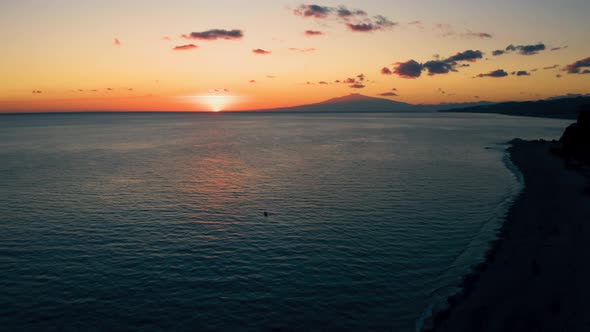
(135, 56)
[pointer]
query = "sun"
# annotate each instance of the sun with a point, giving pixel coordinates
(216, 103)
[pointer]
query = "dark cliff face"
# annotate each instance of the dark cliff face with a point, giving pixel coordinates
(576, 138)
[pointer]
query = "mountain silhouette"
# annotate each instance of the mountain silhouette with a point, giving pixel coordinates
(358, 103)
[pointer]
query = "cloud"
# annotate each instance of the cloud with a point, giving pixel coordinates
(349, 81)
(312, 33)
(379, 22)
(469, 55)
(386, 71)
(521, 73)
(215, 34)
(494, 73)
(270, 76)
(526, 49)
(354, 19)
(343, 12)
(185, 47)
(166, 38)
(447, 30)
(438, 67)
(498, 52)
(408, 69)
(357, 86)
(313, 11)
(323, 82)
(252, 81)
(551, 67)
(361, 77)
(36, 91)
(261, 51)
(388, 94)
(413, 69)
(482, 35)
(302, 50)
(576, 67)
(117, 42)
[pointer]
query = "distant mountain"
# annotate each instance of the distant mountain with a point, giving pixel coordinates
(357, 103)
(563, 108)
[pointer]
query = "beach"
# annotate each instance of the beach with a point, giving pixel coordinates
(535, 275)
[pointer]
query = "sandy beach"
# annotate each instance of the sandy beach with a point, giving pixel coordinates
(535, 277)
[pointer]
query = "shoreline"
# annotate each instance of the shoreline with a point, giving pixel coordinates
(533, 273)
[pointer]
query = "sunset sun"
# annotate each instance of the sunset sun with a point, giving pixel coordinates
(215, 103)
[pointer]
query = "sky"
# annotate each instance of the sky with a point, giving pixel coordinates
(180, 55)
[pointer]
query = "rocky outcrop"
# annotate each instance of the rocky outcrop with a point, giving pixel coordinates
(575, 140)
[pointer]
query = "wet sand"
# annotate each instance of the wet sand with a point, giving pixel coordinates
(536, 276)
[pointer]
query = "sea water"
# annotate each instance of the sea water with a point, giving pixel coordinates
(156, 221)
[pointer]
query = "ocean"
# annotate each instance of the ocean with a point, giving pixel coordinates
(155, 222)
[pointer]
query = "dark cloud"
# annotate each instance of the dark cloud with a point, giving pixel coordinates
(413, 69)
(356, 20)
(386, 71)
(361, 27)
(482, 35)
(521, 73)
(361, 77)
(551, 67)
(185, 47)
(495, 73)
(498, 52)
(526, 49)
(349, 80)
(36, 91)
(469, 55)
(357, 86)
(313, 11)
(389, 94)
(323, 82)
(438, 67)
(408, 69)
(585, 71)
(576, 67)
(558, 76)
(215, 34)
(378, 23)
(312, 33)
(555, 48)
(261, 51)
(343, 12)
(252, 81)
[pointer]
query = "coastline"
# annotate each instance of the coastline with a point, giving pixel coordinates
(534, 274)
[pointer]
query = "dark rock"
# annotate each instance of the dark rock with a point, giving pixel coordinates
(575, 141)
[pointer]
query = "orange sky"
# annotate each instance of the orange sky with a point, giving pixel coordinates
(201, 56)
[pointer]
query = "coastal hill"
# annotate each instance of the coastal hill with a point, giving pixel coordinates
(358, 103)
(562, 108)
